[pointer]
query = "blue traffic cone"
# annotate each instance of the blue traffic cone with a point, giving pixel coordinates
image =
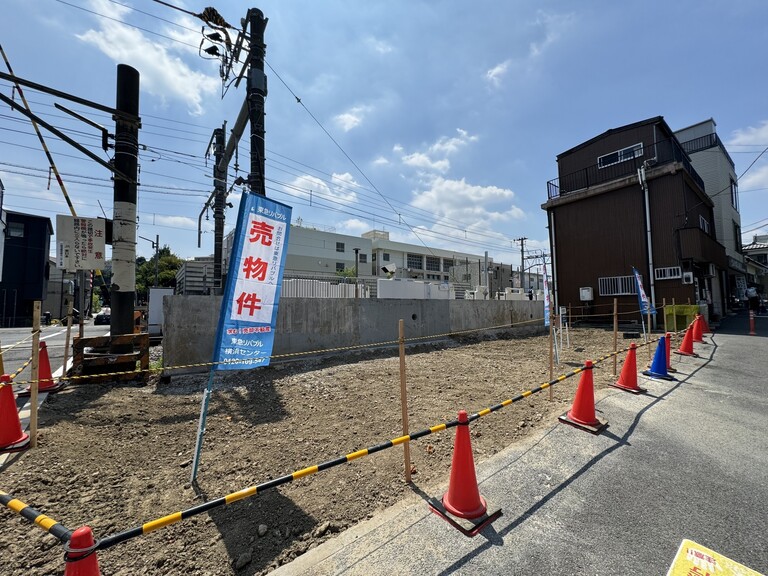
(659, 366)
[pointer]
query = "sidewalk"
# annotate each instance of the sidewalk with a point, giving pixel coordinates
(686, 460)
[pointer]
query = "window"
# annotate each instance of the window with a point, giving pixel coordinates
(734, 195)
(447, 264)
(668, 273)
(762, 259)
(339, 266)
(433, 264)
(415, 261)
(15, 230)
(617, 285)
(433, 276)
(385, 256)
(363, 258)
(737, 237)
(703, 224)
(628, 153)
(339, 246)
(373, 257)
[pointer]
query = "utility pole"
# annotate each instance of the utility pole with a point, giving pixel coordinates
(220, 195)
(157, 258)
(257, 92)
(123, 290)
(522, 260)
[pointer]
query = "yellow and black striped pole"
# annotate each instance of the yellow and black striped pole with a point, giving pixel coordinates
(47, 523)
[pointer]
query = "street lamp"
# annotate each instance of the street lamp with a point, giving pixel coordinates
(156, 247)
(357, 259)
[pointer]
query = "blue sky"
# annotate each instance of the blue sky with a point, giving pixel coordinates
(453, 112)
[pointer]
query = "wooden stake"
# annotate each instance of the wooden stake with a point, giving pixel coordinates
(35, 374)
(674, 315)
(66, 339)
(551, 357)
(615, 332)
(404, 402)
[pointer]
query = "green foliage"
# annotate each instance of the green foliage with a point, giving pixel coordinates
(167, 266)
(346, 273)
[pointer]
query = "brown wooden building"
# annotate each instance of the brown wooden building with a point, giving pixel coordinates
(630, 198)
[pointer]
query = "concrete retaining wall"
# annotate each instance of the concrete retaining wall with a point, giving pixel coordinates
(315, 325)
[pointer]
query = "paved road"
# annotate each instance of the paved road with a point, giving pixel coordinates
(689, 459)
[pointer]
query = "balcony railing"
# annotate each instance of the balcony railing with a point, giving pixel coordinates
(667, 151)
(704, 143)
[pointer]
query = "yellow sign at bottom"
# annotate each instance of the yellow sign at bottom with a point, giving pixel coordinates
(695, 560)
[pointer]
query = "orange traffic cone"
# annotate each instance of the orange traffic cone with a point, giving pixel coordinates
(80, 554)
(45, 381)
(704, 326)
(582, 413)
(697, 330)
(686, 348)
(628, 377)
(12, 437)
(463, 497)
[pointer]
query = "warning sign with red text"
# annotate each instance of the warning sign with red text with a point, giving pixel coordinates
(249, 309)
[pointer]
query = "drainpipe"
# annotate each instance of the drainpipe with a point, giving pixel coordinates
(553, 252)
(644, 184)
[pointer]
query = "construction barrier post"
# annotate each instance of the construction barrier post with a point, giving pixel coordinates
(659, 367)
(752, 323)
(698, 335)
(628, 379)
(463, 497)
(582, 413)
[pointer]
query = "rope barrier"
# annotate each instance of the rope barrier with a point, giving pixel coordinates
(12, 346)
(47, 523)
(20, 370)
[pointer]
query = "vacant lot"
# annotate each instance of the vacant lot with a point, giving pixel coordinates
(116, 456)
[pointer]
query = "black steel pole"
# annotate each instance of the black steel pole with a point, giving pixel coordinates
(220, 187)
(123, 290)
(257, 93)
(157, 258)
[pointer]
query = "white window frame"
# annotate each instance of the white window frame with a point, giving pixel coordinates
(617, 285)
(628, 153)
(703, 223)
(668, 273)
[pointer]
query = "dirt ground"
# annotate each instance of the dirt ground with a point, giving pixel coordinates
(114, 456)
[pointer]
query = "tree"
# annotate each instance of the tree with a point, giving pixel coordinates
(346, 273)
(167, 266)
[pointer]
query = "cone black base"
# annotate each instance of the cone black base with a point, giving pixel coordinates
(19, 446)
(658, 376)
(595, 429)
(470, 528)
(52, 390)
(637, 390)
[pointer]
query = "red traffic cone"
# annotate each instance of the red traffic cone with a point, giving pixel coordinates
(45, 381)
(463, 497)
(704, 326)
(686, 348)
(628, 377)
(80, 554)
(12, 437)
(697, 329)
(582, 413)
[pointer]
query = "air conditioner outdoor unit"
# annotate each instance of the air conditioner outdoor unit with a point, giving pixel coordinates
(687, 277)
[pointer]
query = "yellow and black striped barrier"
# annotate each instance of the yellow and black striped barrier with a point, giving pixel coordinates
(47, 523)
(164, 521)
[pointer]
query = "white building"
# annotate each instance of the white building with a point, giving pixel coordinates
(712, 162)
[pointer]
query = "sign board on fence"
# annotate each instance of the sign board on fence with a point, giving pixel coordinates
(80, 243)
(249, 307)
(695, 559)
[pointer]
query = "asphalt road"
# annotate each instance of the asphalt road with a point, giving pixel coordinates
(688, 459)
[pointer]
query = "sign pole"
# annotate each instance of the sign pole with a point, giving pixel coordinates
(35, 374)
(404, 401)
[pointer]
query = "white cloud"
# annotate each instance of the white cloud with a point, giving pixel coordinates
(353, 227)
(380, 161)
(476, 205)
(552, 26)
(757, 177)
(421, 160)
(163, 73)
(380, 46)
(310, 188)
(434, 158)
(497, 73)
(175, 222)
(754, 135)
(352, 118)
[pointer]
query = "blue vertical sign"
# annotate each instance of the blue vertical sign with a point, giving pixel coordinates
(547, 303)
(246, 330)
(641, 296)
(249, 308)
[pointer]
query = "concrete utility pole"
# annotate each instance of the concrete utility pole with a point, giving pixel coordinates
(220, 196)
(522, 261)
(123, 291)
(257, 92)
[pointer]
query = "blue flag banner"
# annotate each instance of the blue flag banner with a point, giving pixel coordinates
(249, 308)
(546, 297)
(641, 295)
